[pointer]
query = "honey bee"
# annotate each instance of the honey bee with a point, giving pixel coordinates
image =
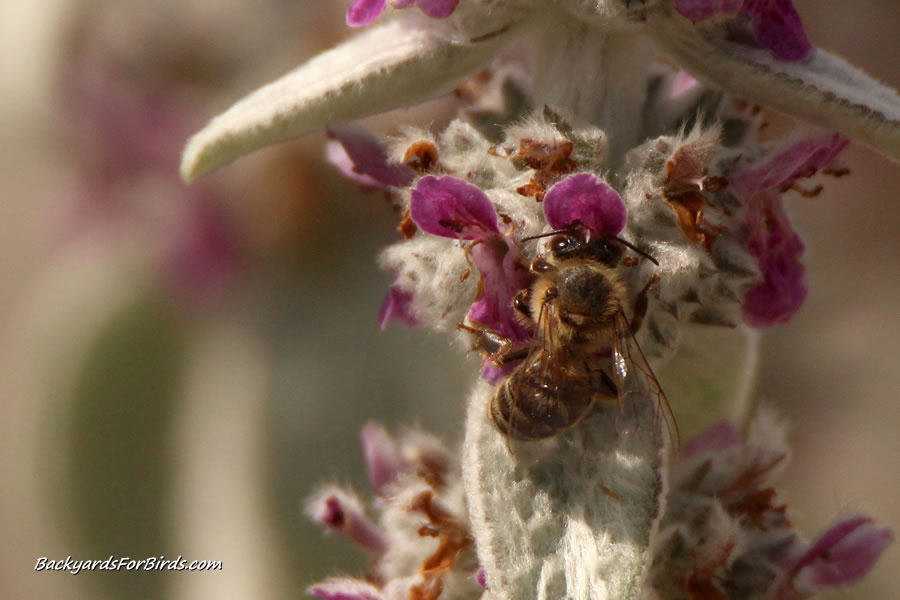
(576, 306)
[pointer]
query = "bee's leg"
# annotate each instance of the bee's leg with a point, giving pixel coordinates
(641, 302)
(493, 345)
(486, 341)
(514, 354)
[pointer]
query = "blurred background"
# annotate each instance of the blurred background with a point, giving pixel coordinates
(181, 367)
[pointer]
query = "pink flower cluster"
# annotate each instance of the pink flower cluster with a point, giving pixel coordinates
(728, 532)
(420, 545)
(363, 12)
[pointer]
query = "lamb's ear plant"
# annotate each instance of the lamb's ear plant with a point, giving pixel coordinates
(572, 121)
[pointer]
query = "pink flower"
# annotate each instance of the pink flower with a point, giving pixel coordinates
(777, 250)
(843, 554)
(396, 306)
(773, 242)
(384, 458)
(363, 12)
(453, 208)
(341, 512)
(585, 199)
(776, 25)
(362, 157)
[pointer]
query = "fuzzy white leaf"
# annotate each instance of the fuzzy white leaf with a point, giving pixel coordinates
(388, 67)
(711, 376)
(570, 517)
(823, 89)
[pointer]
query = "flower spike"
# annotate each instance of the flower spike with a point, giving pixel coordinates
(606, 140)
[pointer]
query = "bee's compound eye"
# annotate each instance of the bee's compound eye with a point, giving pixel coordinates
(606, 251)
(562, 245)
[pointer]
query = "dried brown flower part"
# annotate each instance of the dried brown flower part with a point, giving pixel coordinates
(549, 162)
(422, 157)
(454, 540)
(685, 182)
(475, 87)
(407, 226)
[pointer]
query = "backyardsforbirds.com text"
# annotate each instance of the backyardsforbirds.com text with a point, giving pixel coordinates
(126, 563)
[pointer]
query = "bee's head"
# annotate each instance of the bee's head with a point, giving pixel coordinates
(576, 245)
(576, 242)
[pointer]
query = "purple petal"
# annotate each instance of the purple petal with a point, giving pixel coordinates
(797, 160)
(844, 553)
(369, 157)
(340, 511)
(778, 28)
(396, 307)
(337, 156)
(503, 275)
(772, 242)
(363, 12)
(682, 84)
(699, 10)
(493, 374)
(777, 250)
(453, 208)
(481, 578)
(584, 198)
(345, 589)
(384, 460)
(438, 9)
(718, 436)
(776, 25)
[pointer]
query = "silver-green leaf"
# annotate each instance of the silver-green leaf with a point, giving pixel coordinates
(387, 67)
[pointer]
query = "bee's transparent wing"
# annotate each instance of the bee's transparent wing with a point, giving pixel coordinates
(636, 381)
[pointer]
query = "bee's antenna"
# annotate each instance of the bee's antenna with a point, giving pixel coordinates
(623, 242)
(543, 235)
(641, 252)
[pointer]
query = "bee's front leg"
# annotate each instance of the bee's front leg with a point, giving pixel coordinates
(498, 348)
(641, 302)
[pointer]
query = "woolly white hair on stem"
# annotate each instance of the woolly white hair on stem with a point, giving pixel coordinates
(606, 476)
